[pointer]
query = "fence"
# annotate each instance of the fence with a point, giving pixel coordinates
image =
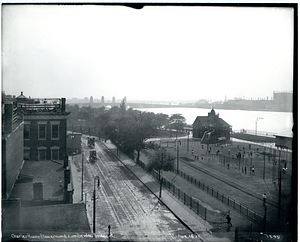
(192, 203)
(199, 209)
(253, 132)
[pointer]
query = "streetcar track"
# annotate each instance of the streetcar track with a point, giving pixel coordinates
(132, 197)
(131, 172)
(130, 203)
(91, 170)
(121, 199)
(115, 197)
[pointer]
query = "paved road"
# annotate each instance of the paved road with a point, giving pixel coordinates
(125, 204)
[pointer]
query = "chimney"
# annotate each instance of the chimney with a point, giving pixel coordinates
(63, 105)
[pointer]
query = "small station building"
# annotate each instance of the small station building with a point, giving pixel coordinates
(211, 128)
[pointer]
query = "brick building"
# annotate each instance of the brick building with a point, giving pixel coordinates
(36, 179)
(45, 125)
(211, 128)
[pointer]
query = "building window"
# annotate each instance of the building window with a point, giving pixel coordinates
(42, 131)
(26, 131)
(54, 131)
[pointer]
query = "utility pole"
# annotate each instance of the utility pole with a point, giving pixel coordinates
(82, 175)
(265, 218)
(264, 163)
(177, 151)
(72, 137)
(279, 196)
(188, 132)
(229, 158)
(160, 176)
(94, 198)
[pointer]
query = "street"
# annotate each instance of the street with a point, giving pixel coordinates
(125, 204)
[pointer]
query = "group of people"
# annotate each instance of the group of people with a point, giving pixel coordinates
(251, 169)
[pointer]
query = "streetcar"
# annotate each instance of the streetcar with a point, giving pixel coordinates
(93, 156)
(91, 142)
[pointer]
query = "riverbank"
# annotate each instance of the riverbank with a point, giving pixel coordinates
(253, 138)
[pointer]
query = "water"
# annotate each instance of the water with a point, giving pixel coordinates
(280, 123)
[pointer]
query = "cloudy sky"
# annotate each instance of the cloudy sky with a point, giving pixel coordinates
(165, 53)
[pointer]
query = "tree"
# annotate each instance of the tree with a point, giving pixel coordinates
(123, 106)
(161, 120)
(159, 159)
(177, 122)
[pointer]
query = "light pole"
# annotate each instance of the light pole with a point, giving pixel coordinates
(256, 124)
(229, 158)
(94, 198)
(188, 132)
(177, 152)
(72, 138)
(251, 157)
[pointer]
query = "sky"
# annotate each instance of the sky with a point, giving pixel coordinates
(157, 53)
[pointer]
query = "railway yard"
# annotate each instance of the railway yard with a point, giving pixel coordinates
(127, 207)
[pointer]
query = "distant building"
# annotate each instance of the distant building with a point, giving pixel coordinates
(283, 100)
(102, 99)
(113, 100)
(91, 100)
(211, 129)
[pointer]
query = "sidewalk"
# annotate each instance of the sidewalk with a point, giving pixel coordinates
(76, 177)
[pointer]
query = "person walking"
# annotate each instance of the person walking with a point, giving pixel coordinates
(264, 199)
(229, 221)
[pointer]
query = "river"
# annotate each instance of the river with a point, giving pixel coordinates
(280, 123)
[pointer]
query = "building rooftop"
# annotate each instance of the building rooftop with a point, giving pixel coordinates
(49, 173)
